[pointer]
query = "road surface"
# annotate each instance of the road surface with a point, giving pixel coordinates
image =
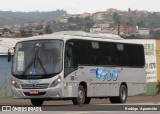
(149, 103)
(155, 99)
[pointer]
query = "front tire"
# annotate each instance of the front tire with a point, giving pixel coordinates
(37, 102)
(122, 95)
(81, 97)
(87, 100)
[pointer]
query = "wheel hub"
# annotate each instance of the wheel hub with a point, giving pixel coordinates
(81, 95)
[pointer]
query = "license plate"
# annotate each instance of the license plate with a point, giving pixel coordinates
(35, 92)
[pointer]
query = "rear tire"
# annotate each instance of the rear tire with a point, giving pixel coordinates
(37, 102)
(81, 97)
(122, 95)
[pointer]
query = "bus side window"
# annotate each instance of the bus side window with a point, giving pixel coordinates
(121, 57)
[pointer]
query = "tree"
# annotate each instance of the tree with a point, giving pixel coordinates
(129, 10)
(89, 24)
(155, 34)
(7, 30)
(141, 24)
(48, 29)
(24, 33)
(39, 27)
(117, 18)
(130, 20)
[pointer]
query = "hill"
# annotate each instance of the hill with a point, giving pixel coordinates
(149, 21)
(10, 18)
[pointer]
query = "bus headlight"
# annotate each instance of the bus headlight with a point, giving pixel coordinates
(56, 82)
(15, 84)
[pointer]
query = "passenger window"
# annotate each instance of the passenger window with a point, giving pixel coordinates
(108, 52)
(121, 57)
(95, 45)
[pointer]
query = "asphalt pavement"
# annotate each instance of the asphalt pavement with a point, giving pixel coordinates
(140, 104)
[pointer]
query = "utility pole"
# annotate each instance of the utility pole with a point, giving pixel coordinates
(118, 27)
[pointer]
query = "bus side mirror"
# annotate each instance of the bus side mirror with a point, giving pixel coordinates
(9, 56)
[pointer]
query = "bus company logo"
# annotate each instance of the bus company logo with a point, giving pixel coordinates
(20, 109)
(34, 82)
(6, 108)
(106, 74)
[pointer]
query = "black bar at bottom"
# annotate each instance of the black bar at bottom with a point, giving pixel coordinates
(82, 108)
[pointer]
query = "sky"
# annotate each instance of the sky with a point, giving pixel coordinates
(78, 6)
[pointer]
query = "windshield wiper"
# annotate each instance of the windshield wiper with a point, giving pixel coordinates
(35, 61)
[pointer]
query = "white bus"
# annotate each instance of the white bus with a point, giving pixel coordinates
(77, 66)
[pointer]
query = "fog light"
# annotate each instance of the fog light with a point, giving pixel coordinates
(15, 84)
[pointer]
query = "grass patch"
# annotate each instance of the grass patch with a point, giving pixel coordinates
(6, 97)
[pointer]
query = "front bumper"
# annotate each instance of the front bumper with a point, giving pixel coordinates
(48, 93)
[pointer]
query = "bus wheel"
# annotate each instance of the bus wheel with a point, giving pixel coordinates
(37, 102)
(122, 95)
(80, 99)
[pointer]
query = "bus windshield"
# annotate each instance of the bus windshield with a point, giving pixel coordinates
(38, 57)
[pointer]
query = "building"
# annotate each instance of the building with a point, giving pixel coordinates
(93, 30)
(31, 24)
(103, 25)
(152, 60)
(98, 16)
(75, 16)
(126, 29)
(112, 10)
(120, 29)
(110, 30)
(142, 31)
(5, 66)
(62, 20)
(45, 23)
(84, 15)
(16, 30)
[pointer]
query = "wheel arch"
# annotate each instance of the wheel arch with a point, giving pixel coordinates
(84, 84)
(125, 84)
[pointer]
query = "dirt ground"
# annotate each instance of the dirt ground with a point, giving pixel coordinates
(134, 99)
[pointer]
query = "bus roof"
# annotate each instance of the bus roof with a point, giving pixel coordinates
(65, 35)
(92, 35)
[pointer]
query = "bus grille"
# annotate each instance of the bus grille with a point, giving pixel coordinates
(34, 86)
